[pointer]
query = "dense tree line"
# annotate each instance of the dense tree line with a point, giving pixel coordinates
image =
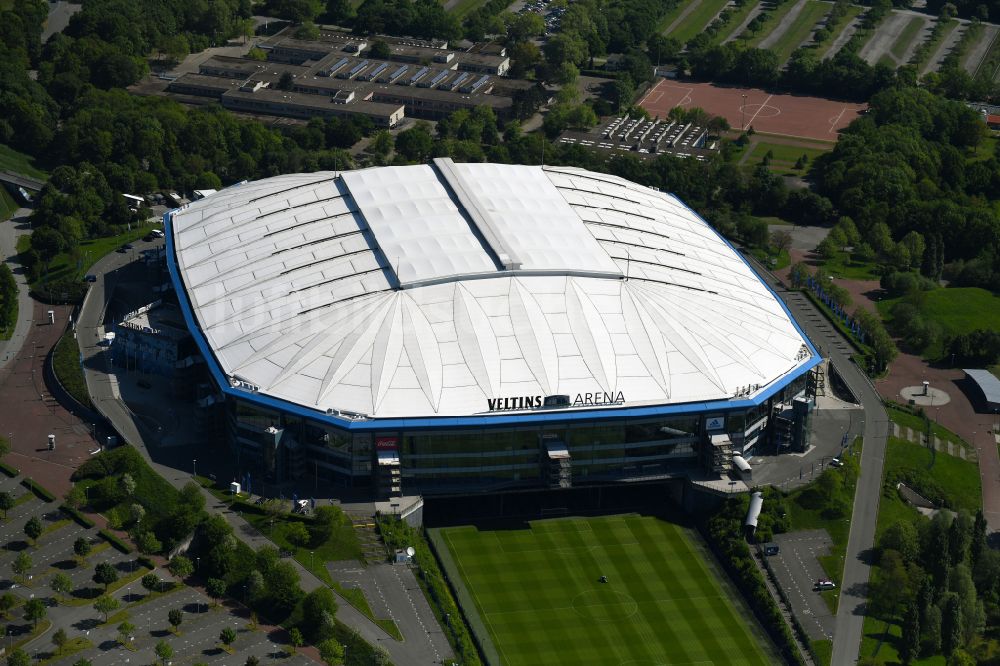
(908, 175)
(8, 298)
(939, 580)
(977, 9)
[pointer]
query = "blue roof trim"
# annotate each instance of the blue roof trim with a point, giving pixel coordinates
(554, 417)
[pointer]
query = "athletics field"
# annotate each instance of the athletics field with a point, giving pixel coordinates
(537, 592)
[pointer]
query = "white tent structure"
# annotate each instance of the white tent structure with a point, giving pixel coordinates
(464, 289)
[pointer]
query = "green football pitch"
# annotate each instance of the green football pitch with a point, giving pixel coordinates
(537, 592)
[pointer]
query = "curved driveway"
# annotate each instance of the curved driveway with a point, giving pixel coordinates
(848, 628)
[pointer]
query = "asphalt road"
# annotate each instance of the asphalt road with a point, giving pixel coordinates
(861, 540)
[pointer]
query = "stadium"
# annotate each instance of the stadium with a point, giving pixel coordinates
(448, 328)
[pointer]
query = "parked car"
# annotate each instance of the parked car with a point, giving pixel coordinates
(836, 462)
(771, 549)
(824, 584)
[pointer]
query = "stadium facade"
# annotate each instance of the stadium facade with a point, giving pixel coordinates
(458, 327)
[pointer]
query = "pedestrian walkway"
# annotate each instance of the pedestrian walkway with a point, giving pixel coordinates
(10, 231)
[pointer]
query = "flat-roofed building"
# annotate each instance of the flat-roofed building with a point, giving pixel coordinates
(301, 105)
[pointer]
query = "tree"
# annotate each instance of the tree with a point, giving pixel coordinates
(416, 143)
(295, 636)
(909, 644)
(951, 623)
(151, 582)
(19, 658)
(106, 605)
(7, 603)
(181, 566)
(125, 632)
(34, 610)
(22, 563)
(379, 50)
(175, 617)
(216, 588)
(781, 240)
(33, 528)
(318, 603)
(331, 652)
(105, 574)
(59, 639)
(252, 660)
(164, 651)
(381, 656)
(82, 547)
(255, 585)
(227, 636)
(61, 584)
(6, 502)
(127, 484)
(902, 537)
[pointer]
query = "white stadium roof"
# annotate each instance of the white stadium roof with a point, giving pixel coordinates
(457, 289)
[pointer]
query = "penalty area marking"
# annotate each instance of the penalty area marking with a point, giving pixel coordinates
(835, 120)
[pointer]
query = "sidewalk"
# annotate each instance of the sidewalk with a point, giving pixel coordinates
(9, 233)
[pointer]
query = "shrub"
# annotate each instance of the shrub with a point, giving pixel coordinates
(81, 519)
(9, 470)
(39, 491)
(115, 541)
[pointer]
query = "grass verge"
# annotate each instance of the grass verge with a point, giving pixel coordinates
(776, 16)
(735, 22)
(698, 19)
(67, 368)
(17, 162)
(822, 651)
(906, 35)
(812, 13)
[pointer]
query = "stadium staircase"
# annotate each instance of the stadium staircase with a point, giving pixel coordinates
(372, 547)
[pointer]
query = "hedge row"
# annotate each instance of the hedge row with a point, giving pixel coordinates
(115, 541)
(723, 531)
(9, 470)
(42, 493)
(83, 520)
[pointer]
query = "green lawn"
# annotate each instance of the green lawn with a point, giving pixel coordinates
(908, 419)
(464, 7)
(67, 266)
(956, 310)
(842, 265)
(698, 19)
(906, 36)
(66, 364)
(958, 479)
(12, 160)
(800, 29)
(537, 591)
(785, 153)
(667, 19)
(7, 204)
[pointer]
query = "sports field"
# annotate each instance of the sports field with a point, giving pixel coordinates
(788, 115)
(538, 593)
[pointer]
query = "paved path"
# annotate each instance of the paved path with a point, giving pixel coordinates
(861, 540)
(944, 48)
(741, 28)
(59, 15)
(880, 43)
(844, 37)
(779, 31)
(106, 400)
(975, 55)
(10, 230)
(797, 569)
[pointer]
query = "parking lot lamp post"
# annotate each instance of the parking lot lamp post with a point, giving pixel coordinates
(194, 467)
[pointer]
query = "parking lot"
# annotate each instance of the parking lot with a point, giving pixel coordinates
(53, 553)
(797, 569)
(645, 137)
